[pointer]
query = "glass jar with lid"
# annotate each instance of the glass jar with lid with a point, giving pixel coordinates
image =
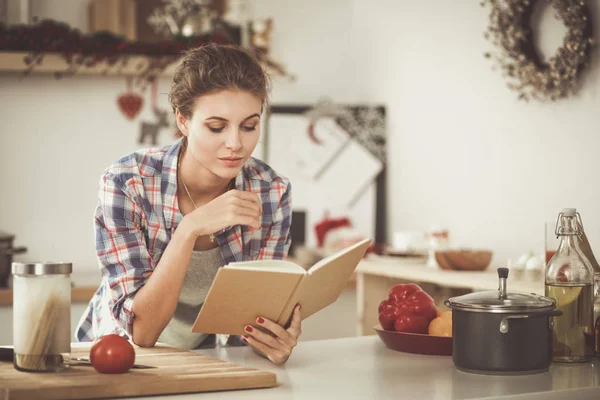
(41, 315)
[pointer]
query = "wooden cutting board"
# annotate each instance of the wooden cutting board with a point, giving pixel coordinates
(178, 371)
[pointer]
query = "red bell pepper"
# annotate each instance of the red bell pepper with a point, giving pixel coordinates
(407, 309)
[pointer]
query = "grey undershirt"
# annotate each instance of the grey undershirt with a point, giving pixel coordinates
(200, 274)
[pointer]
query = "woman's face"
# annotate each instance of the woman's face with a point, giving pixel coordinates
(223, 131)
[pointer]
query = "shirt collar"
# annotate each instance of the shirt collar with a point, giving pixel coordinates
(169, 186)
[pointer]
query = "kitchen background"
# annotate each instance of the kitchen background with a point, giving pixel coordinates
(463, 152)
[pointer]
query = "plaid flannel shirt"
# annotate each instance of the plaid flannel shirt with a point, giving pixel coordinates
(136, 216)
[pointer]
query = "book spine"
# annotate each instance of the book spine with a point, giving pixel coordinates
(286, 313)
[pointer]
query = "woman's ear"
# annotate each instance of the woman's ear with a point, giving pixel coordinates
(181, 122)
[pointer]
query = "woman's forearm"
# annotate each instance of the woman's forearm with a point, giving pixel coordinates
(156, 301)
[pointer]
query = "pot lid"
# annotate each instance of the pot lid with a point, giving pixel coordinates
(501, 301)
(514, 302)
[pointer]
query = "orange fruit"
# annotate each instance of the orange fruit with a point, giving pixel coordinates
(442, 325)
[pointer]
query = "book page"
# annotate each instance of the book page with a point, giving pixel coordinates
(268, 265)
(341, 253)
(238, 296)
(325, 281)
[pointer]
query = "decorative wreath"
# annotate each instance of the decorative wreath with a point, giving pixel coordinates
(510, 30)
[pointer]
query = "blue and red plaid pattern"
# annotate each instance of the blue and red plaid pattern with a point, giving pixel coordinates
(136, 215)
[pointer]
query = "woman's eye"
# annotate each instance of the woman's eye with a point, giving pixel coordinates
(215, 129)
(249, 128)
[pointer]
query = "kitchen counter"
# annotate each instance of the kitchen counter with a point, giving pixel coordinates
(415, 270)
(363, 368)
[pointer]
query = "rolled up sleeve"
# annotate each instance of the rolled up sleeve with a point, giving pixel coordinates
(121, 251)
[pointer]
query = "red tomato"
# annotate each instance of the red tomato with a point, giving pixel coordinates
(112, 354)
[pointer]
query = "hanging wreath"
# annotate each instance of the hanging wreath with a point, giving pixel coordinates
(510, 31)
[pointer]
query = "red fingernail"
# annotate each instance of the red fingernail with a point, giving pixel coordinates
(260, 320)
(248, 329)
(245, 337)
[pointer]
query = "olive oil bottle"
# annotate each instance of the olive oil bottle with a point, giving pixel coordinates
(569, 279)
(586, 249)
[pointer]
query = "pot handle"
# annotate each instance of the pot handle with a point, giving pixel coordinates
(13, 251)
(447, 304)
(504, 323)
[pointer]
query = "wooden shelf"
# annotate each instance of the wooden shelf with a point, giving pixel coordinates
(79, 294)
(13, 62)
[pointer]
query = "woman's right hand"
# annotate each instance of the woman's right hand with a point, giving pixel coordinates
(234, 207)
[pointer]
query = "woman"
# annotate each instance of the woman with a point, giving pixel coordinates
(168, 218)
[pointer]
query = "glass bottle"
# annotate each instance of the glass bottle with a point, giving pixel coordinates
(569, 280)
(584, 244)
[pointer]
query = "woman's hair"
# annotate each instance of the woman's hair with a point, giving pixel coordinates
(213, 67)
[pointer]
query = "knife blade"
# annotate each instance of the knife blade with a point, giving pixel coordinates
(7, 354)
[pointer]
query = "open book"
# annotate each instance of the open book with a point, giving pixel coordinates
(243, 291)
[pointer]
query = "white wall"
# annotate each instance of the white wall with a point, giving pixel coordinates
(313, 38)
(56, 138)
(464, 153)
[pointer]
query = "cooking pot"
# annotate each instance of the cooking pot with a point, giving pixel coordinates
(501, 333)
(6, 256)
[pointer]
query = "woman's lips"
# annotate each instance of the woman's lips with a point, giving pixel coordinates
(231, 161)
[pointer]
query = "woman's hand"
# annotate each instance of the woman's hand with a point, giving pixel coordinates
(275, 342)
(234, 207)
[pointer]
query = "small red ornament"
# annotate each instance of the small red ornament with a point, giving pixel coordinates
(130, 103)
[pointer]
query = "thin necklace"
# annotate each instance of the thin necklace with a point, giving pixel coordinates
(211, 236)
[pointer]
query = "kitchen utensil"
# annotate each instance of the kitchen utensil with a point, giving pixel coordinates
(503, 333)
(415, 343)
(463, 260)
(7, 354)
(393, 252)
(7, 251)
(177, 371)
(409, 241)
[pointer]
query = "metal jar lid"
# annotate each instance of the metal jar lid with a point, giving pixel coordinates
(501, 301)
(43, 268)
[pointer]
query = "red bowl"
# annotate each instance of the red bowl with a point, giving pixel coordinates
(415, 343)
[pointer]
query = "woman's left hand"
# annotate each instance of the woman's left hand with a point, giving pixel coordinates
(276, 343)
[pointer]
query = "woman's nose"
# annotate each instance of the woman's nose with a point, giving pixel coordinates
(233, 141)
